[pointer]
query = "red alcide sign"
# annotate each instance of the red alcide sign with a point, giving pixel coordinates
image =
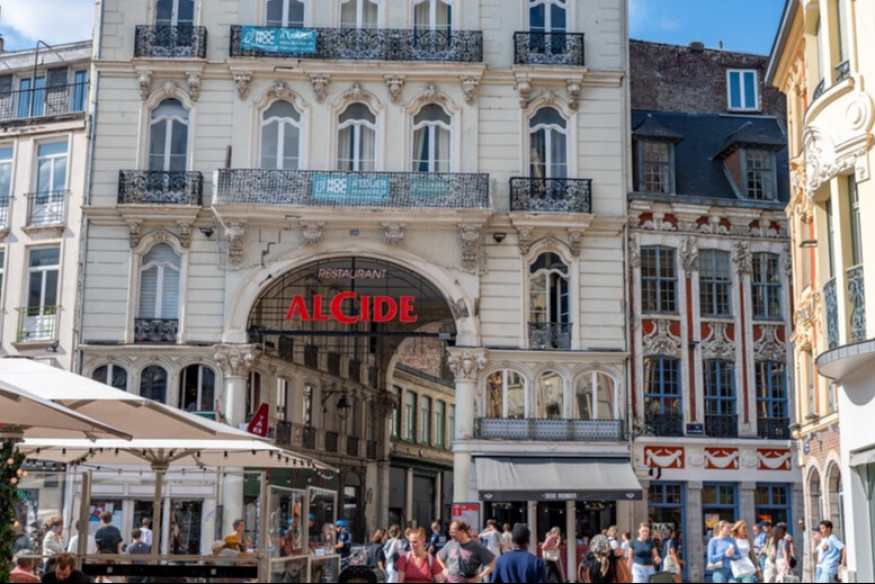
(365, 309)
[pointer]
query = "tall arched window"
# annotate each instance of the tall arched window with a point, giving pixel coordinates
(548, 144)
(113, 375)
(280, 137)
(431, 140)
(168, 136)
(153, 383)
(284, 13)
(595, 397)
(506, 395)
(548, 15)
(359, 14)
(356, 149)
(174, 13)
(432, 15)
(159, 284)
(549, 305)
(551, 396)
(197, 389)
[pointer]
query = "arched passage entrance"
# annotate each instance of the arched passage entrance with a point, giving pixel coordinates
(333, 334)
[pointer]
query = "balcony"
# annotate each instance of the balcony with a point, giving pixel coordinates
(4, 216)
(831, 306)
(352, 446)
(46, 208)
(331, 440)
(303, 188)
(284, 433)
(551, 195)
(37, 324)
(371, 449)
(773, 428)
(843, 71)
(721, 425)
(818, 91)
(56, 100)
(353, 44)
(308, 438)
(857, 301)
(550, 335)
(155, 187)
(548, 48)
(548, 430)
(668, 424)
(171, 42)
(161, 331)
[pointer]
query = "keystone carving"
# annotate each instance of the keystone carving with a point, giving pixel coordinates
(393, 233)
(395, 83)
(661, 341)
(573, 88)
(524, 88)
(145, 84)
(524, 239)
(718, 345)
(194, 84)
(768, 347)
(320, 86)
(184, 234)
(312, 233)
(470, 237)
(243, 81)
(135, 235)
(574, 238)
(460, 309)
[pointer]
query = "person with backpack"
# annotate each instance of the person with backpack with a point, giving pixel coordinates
(417, 565)
(376, 558)
(108, 537)
(392, 550)
(602, 564)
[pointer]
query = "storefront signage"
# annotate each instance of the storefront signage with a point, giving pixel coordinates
(351, 274)
(560, 495)
(365, 309)
(297, 41)
(469, 513)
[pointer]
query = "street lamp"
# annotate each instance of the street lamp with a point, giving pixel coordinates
(343, 406)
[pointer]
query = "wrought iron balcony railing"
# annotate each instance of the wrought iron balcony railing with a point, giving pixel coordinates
(284, 432)
(372, 449)
(304, 188)
(773, 428)
(548, 48)
(171, 42)
(551, 195)
(46, 208)
(308, 438)
(550, 335)
(818, 91)
(857, 300)
(548, 430)
(721, 425)
(352, 446)
(331, 440)
(156, 330)
(55, 100)
(831, 305)
(158, 187)
(843, 71)
(37, 324)
(355, 44)
(667, 424)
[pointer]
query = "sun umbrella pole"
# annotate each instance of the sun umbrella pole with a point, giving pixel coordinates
(157, 511)
(84, 518)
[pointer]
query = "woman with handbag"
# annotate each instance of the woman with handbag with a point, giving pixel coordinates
(602, 565)
(722, 549)
(747, 568)
(553, 556)
(780, 556)
(392, 550)
(672, 563)
(642, 556)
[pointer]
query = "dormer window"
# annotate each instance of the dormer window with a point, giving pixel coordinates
(759, 174)
(655, 168)
(741, 85)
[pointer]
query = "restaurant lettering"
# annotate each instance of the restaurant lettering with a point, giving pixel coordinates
(351, 274)
(365, 309)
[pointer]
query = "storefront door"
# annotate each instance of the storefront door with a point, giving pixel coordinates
(667, 511)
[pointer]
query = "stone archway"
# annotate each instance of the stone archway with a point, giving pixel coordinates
(835, 499)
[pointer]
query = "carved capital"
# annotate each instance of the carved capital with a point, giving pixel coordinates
(236, 360)
(393, 233)
(236, 231)
(466, 364)
(320, 86)
(184, 234)
(395, 83)
(470, 86)
(470, 238)
(312, 232)
(145, 84)
(194, 84)
(243, 81)
(135, 235)
(386, 403)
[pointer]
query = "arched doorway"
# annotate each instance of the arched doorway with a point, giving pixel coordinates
(835, 499)
(354, 342)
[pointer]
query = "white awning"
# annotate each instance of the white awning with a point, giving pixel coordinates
(863, 458)
(557, 479)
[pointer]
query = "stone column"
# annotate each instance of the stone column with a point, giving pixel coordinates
(235, 361)
(694, 532)
(385, 404)
(466, 364)
(747, 503)
(408, 497)
(532, 518)
(571, 539)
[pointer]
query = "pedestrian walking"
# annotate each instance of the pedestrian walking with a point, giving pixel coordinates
(437, 540)
(146, 530)
(642, 556)
(672, 563)
(392, 551)
(833, 554)
(602, 565)
(745, 569)
(611, 534)
(506, 539)
(53, 542)
(553, 555)
(465, 559)
(376, 558)
(418, 566)
(779, 555)
(760, 542)
(137, 548)
(517, 564)
(722, 550)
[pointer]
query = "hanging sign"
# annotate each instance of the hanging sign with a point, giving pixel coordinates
(258, 425)
(278, 40)
(369, 309)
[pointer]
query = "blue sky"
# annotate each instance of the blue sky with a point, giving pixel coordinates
(742, 25)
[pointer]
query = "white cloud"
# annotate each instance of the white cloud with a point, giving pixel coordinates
(51, 21)
(644, 21)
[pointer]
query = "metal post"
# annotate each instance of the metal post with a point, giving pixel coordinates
(264, 547)
(156, 511)
(84, 513)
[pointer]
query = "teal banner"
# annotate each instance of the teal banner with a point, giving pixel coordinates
(278, 40)
(351, 189)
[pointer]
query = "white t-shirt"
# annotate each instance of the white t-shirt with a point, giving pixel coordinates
(146, 538)
(492, 540)
(90, 547)
(613, 542)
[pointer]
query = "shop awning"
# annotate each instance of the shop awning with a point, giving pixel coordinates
(557, 479)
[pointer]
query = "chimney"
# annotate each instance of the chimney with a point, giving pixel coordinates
(697, 46)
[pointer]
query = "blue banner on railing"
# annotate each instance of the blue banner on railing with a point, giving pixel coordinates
(350, 189)
(278, 40)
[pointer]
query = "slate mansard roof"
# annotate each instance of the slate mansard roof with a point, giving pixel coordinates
(703, 141)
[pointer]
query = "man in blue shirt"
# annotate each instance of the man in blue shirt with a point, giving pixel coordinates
(344, 543)
(519, 565)
(760, 541)
(437, 539)
(833, 554)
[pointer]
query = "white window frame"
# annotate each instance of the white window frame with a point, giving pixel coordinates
(159, 296)
(773, 175)
(7, 164)
(643, 163)
(432, 15)
(168, 134)
(174, 11)
(548, 129)
(550, 291)
(356, 126)
(548, 25)
(200, 387)
(283, 400)
(433, 126)
(110, 370)
(527, 411)
(43, 271)
(359, 13)
(53, 158)
(563, 414)
(744, 107)
(591, 378)
(286, 10)
(282, 126)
